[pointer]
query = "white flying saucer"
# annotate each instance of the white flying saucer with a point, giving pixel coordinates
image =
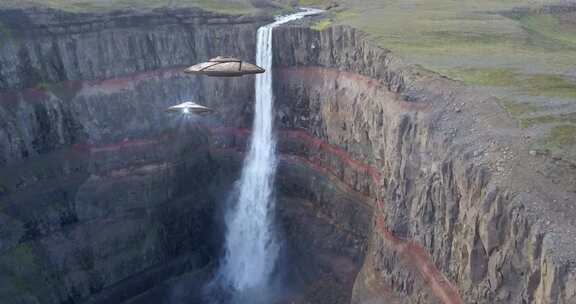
(189, 108)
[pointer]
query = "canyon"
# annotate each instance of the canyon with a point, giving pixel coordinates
(394, 184)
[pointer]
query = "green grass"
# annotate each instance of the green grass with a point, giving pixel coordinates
(550, 85)
(534, 85)
(562, 135)
(482, 76)
(560, 118)
(549, 25)
(334, 16)
(515, 108)
(313, 2)
(322, 24)
(478, 42)
(559, 140)
(343, 14)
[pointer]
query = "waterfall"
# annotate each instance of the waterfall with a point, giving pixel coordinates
(251, 245)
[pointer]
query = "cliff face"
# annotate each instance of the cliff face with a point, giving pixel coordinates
(56, 69)
(456, 216)
(97, 184)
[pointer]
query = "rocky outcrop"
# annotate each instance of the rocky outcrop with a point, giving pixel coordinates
(77, 221)
(453, 223)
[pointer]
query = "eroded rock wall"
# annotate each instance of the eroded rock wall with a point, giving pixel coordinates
(47, 46)
(450, 226)
(68, 78)
(98, 186)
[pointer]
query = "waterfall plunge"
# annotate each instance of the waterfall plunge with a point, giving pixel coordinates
(251, 247)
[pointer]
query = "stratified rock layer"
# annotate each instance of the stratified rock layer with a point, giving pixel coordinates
(457, 218)
(98, 185)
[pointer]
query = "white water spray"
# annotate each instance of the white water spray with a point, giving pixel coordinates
(251, 247)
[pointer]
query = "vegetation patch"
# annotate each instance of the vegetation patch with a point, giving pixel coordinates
(560, 118)
(322, 24)
(312, 2)
(43, 86)
(550, 85)
(535, 85)
(515, 108)
(20, 264)
(5, 34)
(343, 14)
(3, 191)
(482, 76)
(466, 38)
(562, 135)
(548, 25)
(338, 15)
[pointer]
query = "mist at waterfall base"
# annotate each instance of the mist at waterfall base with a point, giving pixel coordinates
(249, 270)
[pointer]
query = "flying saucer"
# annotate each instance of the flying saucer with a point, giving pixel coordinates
(189, 108)
(224, 67)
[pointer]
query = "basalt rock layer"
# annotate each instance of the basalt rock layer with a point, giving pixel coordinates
(101, 192)
(457, 217)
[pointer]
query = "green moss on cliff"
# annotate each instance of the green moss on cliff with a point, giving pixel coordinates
(5, 34)
(20, 265)
(43, 86)
(3, 190)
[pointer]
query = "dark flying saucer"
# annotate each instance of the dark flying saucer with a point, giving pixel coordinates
(224, 67)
